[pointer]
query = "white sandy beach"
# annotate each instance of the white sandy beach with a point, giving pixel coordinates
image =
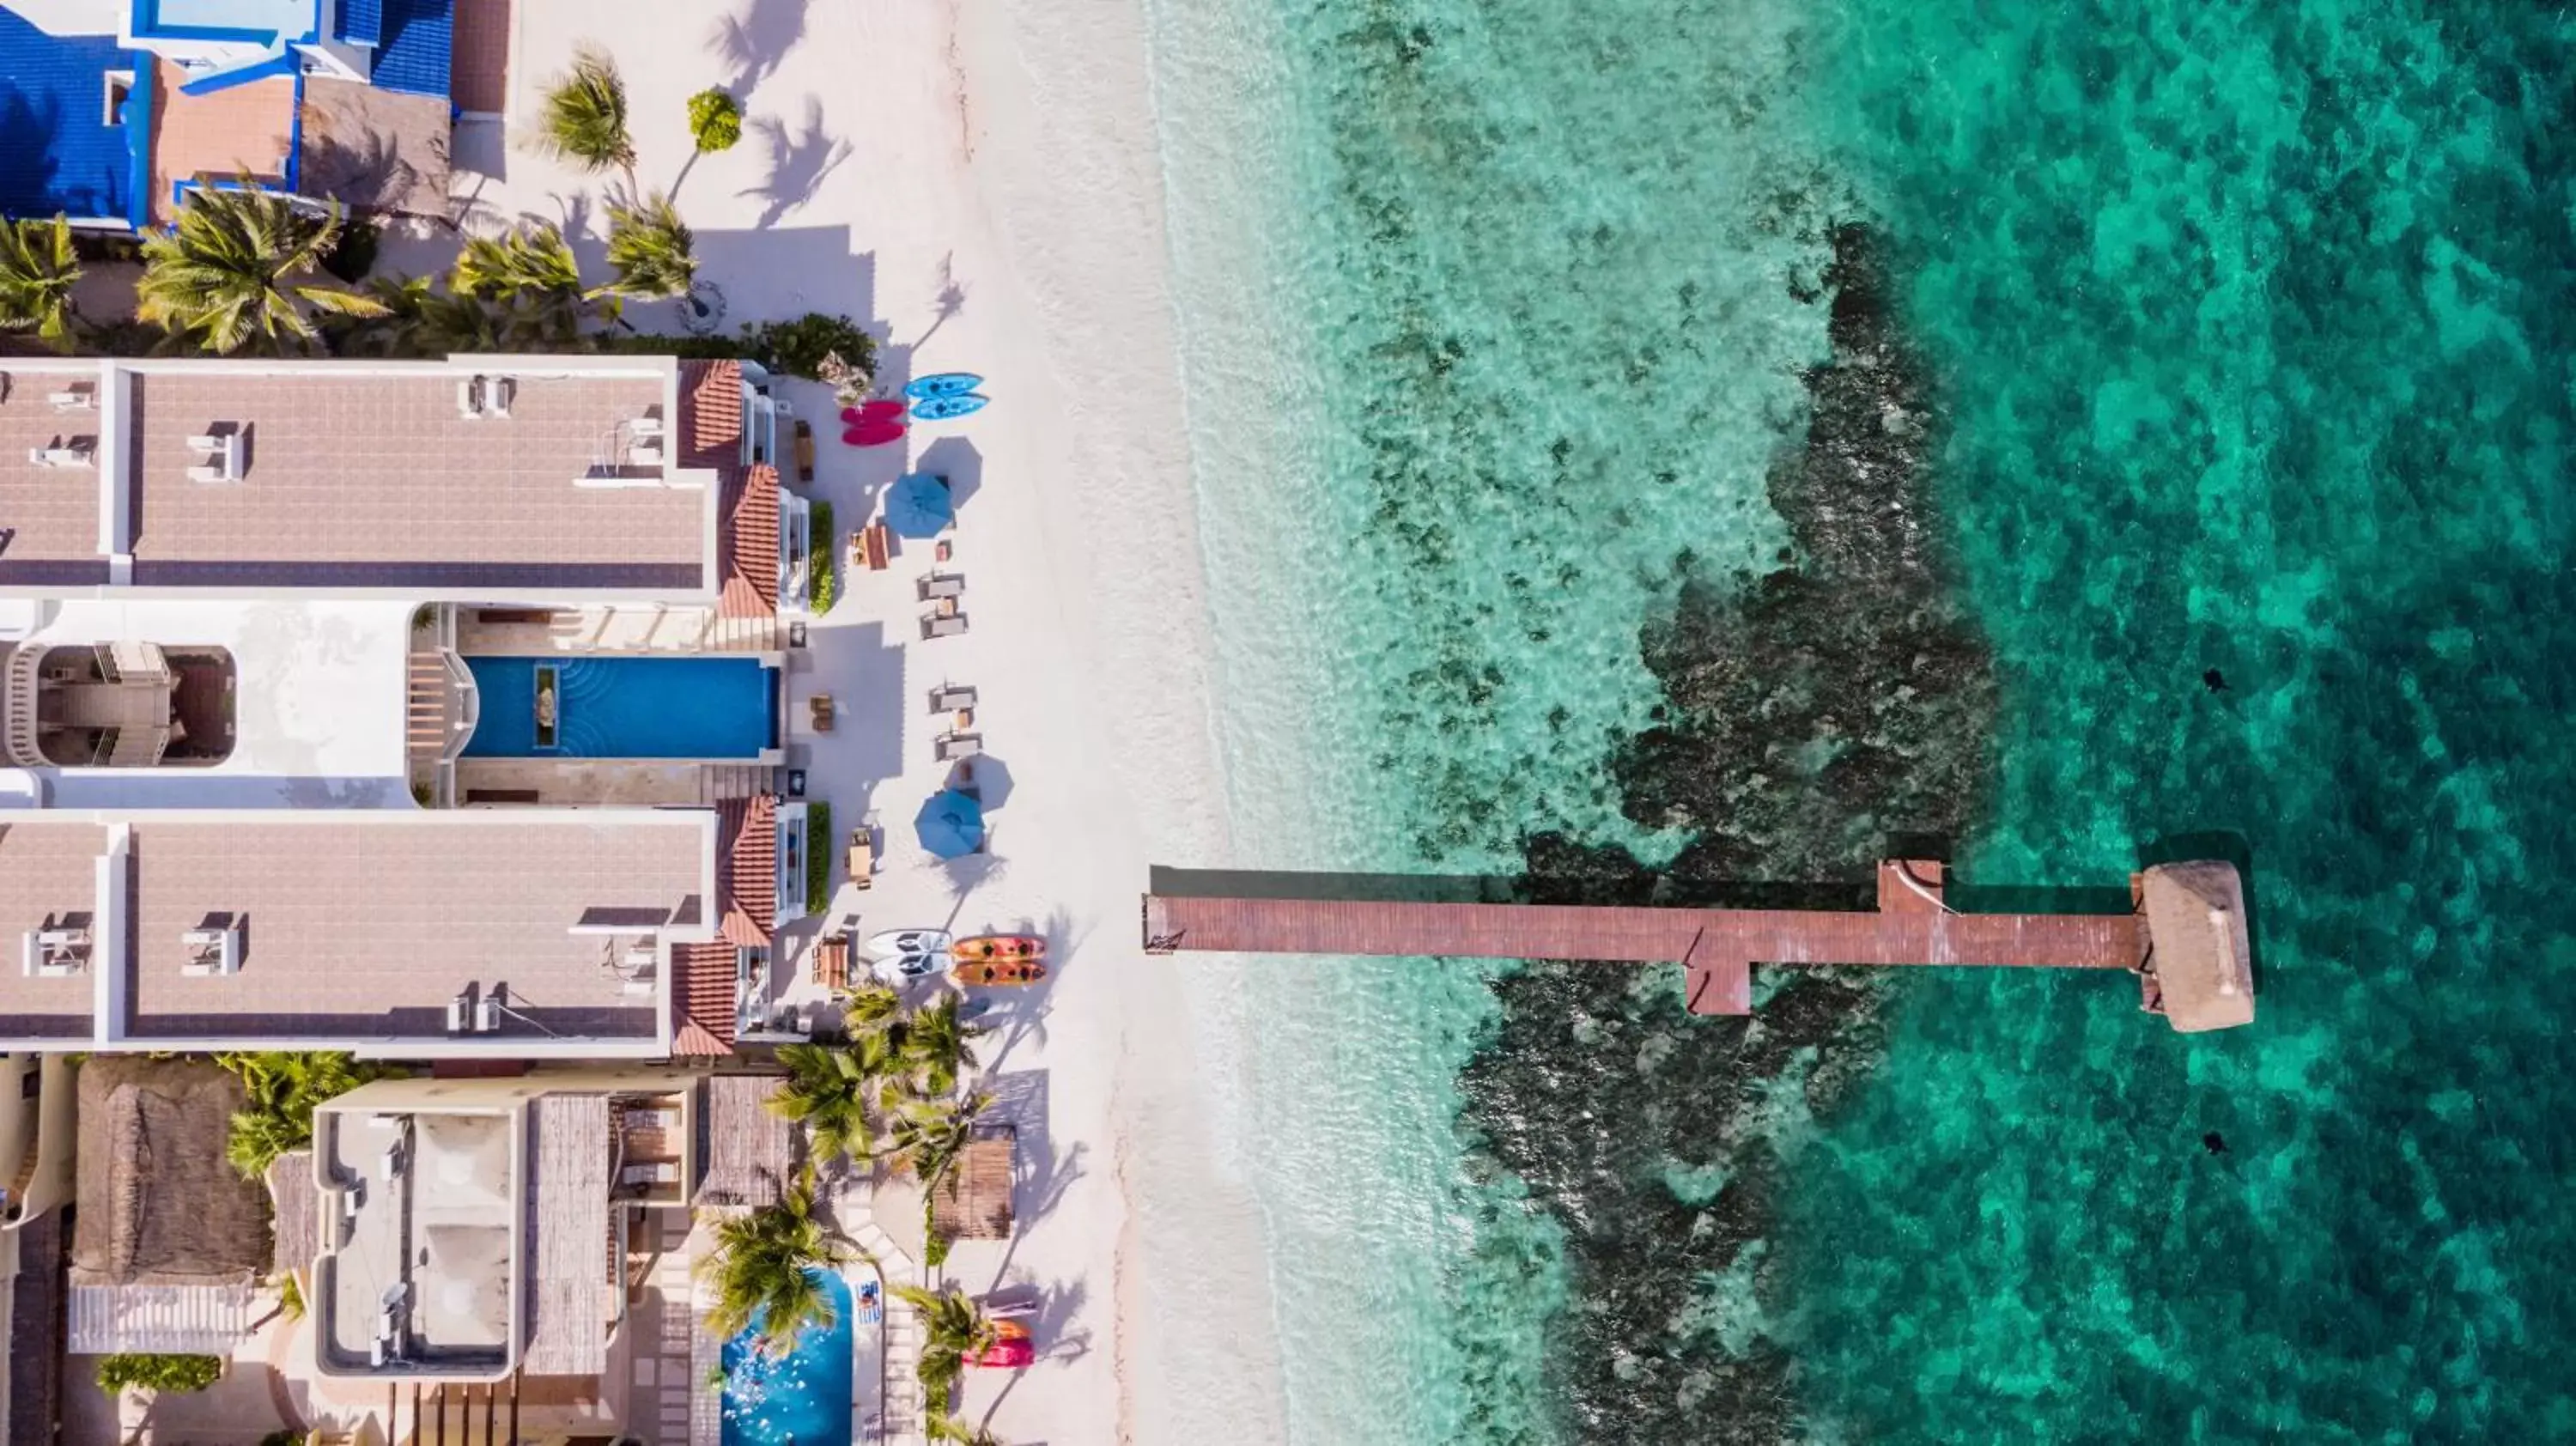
(979, 184)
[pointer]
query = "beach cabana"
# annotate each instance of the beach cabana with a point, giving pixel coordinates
(919, 504)
(168, 1240)
(2201, 951)
(974, 1201)
(951, 824)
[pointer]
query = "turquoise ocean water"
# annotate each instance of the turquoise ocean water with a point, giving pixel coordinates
(1732, 433)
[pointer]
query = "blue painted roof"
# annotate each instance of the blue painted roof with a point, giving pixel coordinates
(362, 22)
(418, 39)
(55, 152)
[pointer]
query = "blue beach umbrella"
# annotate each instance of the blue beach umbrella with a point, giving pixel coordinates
(951, 824)
(918, 505)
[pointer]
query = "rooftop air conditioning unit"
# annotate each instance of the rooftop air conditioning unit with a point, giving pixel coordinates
(56, 953)
(211, 951)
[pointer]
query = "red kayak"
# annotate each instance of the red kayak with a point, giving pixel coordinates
(1005, 1355)
(874, 433)
(872, 411)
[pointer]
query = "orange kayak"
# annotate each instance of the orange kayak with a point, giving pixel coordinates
(997, 973)
(993, 948)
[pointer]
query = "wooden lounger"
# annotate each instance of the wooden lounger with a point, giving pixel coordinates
(863, 858)
(804, 450)
(877, 546)
(952, 746)
(942, 625)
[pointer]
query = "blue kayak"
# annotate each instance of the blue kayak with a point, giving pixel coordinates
(943, 384)
(940, 409)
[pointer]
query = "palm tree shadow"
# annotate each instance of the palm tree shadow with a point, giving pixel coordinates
(950, 300)
(753, 43)
(798, 162)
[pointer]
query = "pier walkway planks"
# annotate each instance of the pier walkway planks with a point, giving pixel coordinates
(1719, 946)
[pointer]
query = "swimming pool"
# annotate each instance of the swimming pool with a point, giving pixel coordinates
(625, 707)
(802, 1397)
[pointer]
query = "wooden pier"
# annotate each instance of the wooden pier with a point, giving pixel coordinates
(2204, 969)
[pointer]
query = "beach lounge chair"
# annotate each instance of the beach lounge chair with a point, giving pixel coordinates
(863, 857)
(804, 450)
(942, 625)
(936, 585)
(878, 545)
(951, 698)
(953, 746)
(821, 709)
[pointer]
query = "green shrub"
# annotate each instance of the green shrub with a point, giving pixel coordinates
(354, 254)
(685, 347)
(797, 348)
(818, 854)
(164, 1373)
(823, 564)
(715, 119)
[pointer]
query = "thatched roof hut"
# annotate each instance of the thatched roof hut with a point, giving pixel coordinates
(567, 1208)
(974, 1202)
(750, 1151)
(2198, 945)
(297, 1219)
(159, 1204)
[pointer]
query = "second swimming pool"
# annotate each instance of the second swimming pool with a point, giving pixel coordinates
(626, 707)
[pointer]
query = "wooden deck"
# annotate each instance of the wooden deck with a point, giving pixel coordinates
(1719, 946)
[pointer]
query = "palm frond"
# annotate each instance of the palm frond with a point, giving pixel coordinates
(583, 116)
(235, 269)
(653, 251)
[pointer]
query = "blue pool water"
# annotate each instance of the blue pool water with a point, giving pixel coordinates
(628, 708)
(802, 1397)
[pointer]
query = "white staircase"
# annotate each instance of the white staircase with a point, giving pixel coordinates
(906, 1423)
(721, 782)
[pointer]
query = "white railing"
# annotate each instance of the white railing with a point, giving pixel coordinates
(24, 665)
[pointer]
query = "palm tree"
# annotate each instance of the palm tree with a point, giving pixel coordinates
(953, 1327)
(652, 250)
(230, 272)
(768, 1268)
(928, 1138)
(872, 1007)
(281, 1089)
(944, 1427)
(531, 273)
(939, 1045)
(831, 1093)
(38, 269)
(584, 116)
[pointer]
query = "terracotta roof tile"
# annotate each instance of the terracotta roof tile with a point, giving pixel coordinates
(220, 135)
(748, 547)
(710, 414)
(746, 912)
(479, 63)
